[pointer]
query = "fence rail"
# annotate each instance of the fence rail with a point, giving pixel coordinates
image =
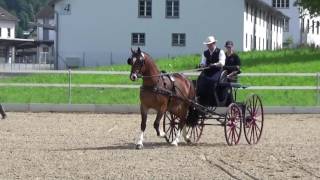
(189, 73)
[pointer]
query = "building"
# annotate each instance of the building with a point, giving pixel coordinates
(300, 28)
(46, 33)
(16, 50)
(7, 31)
(102, 32)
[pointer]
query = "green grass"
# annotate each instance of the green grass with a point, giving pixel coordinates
(303, 60)
(131, 96)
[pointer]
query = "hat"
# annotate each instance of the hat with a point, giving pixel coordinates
(209, 40)
(228, 44)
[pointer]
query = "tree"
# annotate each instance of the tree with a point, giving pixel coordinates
(313, 6)
(25, 10)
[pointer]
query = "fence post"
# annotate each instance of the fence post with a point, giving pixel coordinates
(318, 89)
(69, 85)
(83, 59)
(111, 58)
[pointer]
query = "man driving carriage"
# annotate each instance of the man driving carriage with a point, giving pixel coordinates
(213, 61)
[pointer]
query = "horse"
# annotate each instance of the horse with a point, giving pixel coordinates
(161, 92)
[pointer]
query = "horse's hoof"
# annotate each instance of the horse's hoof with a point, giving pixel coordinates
(188, 141)
(174, 143)
(162, 135)
(139, 146)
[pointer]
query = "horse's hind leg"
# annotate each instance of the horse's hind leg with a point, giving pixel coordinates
(144, 112)
(156, 124)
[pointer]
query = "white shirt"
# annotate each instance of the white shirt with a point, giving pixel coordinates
(222, 58)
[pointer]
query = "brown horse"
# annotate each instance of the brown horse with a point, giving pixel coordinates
(161, 92)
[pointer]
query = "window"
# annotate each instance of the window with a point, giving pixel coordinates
(312, 26)
(246, 40)
(274, 3)
(286, 25)
(138, 39)
(0, 32)
(178, 39)
(252, 9)
(280, 3)
(145, 8)
(9, 32)
(251, 41)
(286, 3)
(260, 16)
(247, 10)
(172, 8)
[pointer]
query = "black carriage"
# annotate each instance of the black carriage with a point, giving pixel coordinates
(235, 116)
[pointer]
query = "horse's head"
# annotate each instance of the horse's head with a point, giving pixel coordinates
(137, 62)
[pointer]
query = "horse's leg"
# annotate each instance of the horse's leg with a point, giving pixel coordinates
(185, 134)
(144, 112)
(157, 123)
(2, 112)
(180, 127)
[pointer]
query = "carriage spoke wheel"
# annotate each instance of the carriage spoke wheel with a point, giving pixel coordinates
(170, 126)
(253, 119)
(233, 123)
(194, 130)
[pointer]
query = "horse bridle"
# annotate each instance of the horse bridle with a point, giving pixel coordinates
(138, 62)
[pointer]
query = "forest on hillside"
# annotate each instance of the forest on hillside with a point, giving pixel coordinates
(24, 10)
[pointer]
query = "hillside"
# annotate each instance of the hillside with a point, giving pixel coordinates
(24, 10)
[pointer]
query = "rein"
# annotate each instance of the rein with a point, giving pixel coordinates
(165, 74)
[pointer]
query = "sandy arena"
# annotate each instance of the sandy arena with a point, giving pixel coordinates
(101, 146)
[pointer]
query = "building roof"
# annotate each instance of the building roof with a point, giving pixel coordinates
(6, 16)
(24, 43)
(266, 6)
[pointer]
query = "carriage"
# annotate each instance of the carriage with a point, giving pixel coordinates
(174, 98)
(233, 115)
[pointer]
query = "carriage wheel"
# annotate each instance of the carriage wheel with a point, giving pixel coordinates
(170, 126)
(233, 123)
(253, 119)
(194, 130)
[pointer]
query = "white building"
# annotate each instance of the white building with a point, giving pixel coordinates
(101, 32)
(7, 32)
(300, 28)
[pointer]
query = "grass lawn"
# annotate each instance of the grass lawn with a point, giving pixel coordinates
(303, 60)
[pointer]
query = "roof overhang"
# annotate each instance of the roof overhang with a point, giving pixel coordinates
(264, 5)
(24, 43)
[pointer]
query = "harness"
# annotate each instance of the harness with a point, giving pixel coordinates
(162, 87)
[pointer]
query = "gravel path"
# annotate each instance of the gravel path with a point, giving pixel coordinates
(101, 146)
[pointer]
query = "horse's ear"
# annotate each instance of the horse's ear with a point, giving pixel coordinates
(139, 50)
(132, 51)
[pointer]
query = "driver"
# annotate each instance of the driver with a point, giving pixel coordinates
(213, 59)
